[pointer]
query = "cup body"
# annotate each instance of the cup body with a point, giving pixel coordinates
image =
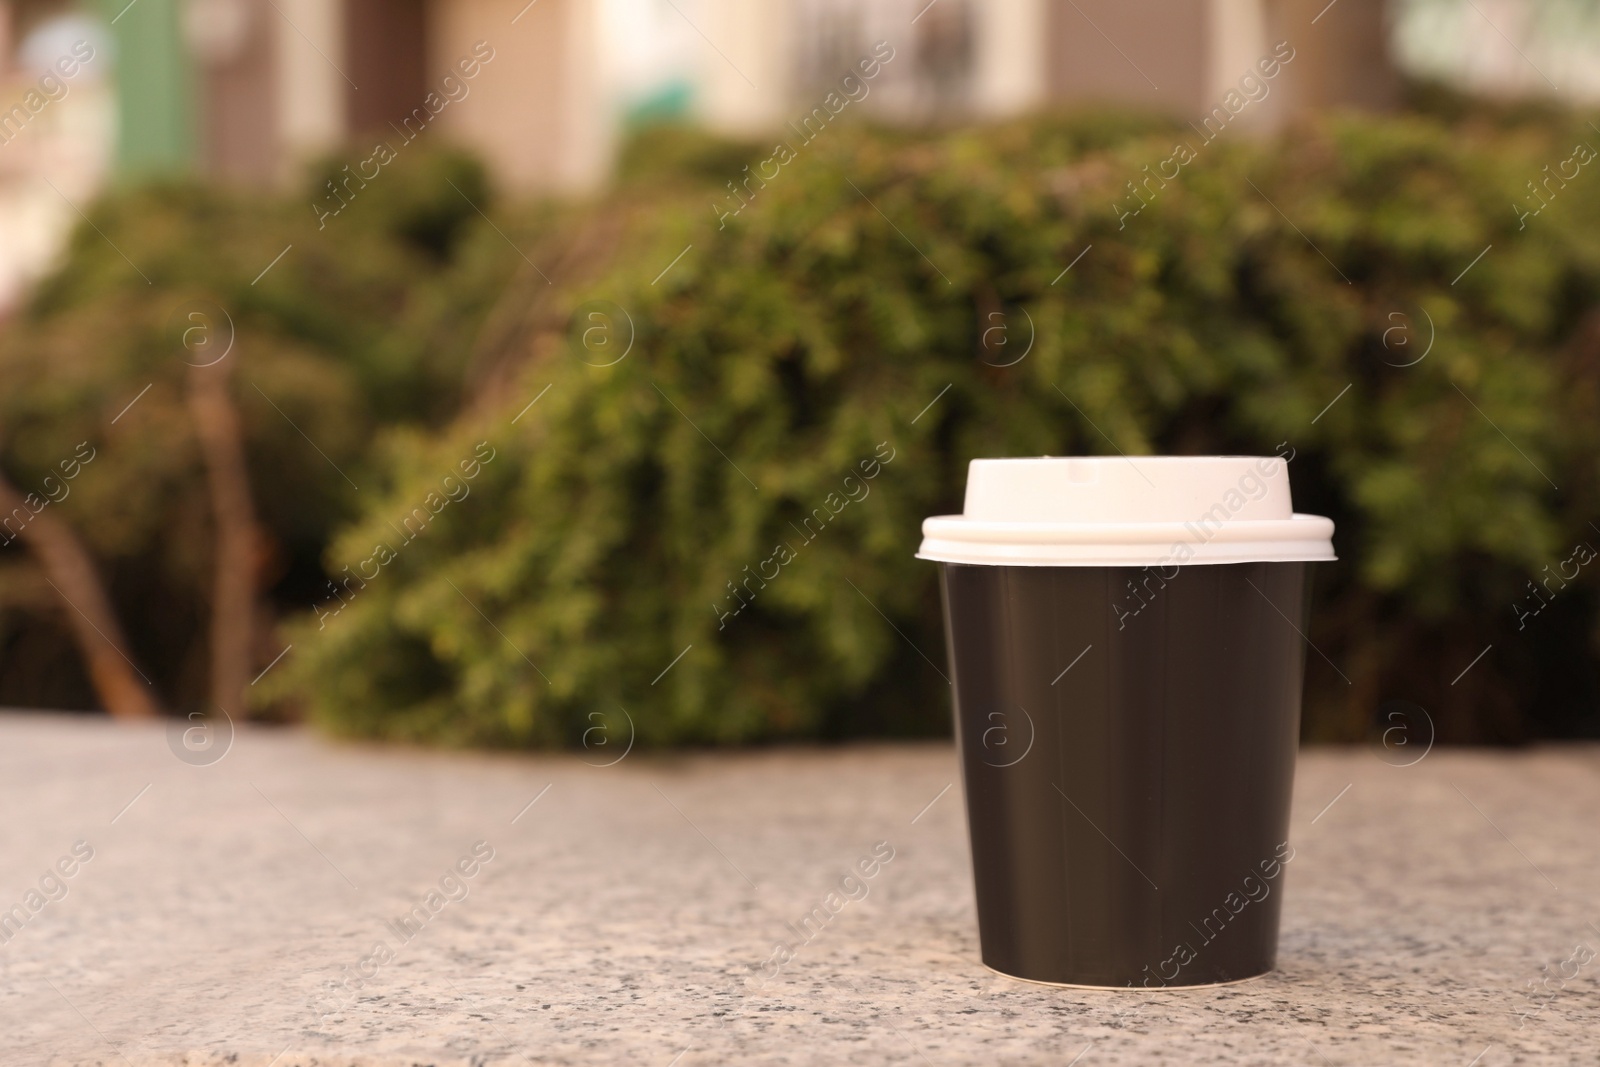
(1127, 739)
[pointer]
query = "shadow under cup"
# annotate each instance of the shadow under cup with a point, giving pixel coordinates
(1125, 638)
(1127, 775)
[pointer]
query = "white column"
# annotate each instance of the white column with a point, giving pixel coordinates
(310, 88)
(1012, 48)
(745, 63)
(537, 111)
(1237, 38)
(588, 120)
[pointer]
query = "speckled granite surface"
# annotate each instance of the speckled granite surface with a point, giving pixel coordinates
(620, 913)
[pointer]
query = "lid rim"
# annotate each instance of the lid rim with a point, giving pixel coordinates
(1143, 564)
(1105, 511)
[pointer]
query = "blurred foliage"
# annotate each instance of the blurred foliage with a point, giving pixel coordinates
(847, 312)
(816, 327)
(364, 324)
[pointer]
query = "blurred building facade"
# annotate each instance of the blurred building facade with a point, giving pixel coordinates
(248, 90)
(278, 81)
(245, 90)
(958, 60)
(57, 126)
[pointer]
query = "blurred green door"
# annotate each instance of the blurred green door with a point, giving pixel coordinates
(155, 88)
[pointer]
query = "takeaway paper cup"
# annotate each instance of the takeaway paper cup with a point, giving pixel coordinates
(1124, 636)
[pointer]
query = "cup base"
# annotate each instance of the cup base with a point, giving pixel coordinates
(1130, 988)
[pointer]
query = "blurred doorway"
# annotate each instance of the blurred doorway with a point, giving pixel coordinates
(386, 44)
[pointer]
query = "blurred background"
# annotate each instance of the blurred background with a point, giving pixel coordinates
(451, 370)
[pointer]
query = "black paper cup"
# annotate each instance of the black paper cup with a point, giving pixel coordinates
(1127, 732)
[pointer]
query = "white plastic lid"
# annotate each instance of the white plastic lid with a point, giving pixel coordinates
(1127, 511)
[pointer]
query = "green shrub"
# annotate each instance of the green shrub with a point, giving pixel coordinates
(367, 323)
(842, 315)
